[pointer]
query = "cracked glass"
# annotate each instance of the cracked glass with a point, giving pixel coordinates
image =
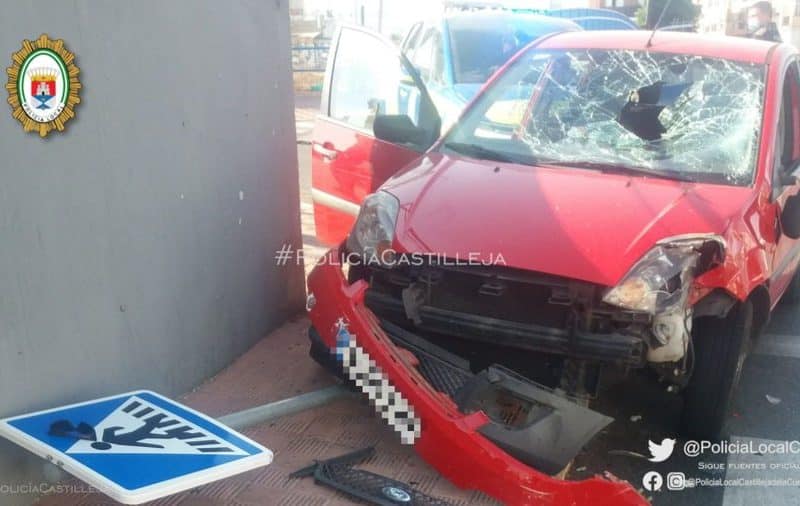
(669, 115)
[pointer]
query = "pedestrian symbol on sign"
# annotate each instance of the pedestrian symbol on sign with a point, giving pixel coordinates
(138, 426)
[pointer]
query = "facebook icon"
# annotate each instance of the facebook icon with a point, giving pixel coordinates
(652, 481)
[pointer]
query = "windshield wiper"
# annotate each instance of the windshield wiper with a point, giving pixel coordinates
(480, 152)
(621, 169)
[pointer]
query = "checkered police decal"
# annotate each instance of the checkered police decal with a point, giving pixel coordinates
(369, 378)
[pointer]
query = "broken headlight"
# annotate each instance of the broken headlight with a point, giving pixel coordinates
(372, 234)
(659, 281)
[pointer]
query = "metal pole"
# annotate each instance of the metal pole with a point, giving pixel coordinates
(285, 407)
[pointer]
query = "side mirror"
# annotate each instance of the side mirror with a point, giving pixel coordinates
(788, 179)
(790, 217)
(399, 129)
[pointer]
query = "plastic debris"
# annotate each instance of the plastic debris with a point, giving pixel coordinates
(636, 418)
(371, 488)
(773, 400)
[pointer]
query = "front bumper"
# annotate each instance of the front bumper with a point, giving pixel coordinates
(449, 440)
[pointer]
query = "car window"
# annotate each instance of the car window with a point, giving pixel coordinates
(481, 45)
(790, 119)
(366, 81)
(787, 137)
(410, 43)
(479, 52)
(427, 57)
(681, 116)
(369, 79)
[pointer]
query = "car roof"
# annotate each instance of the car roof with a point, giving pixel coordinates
(706, 45)
(499, 19)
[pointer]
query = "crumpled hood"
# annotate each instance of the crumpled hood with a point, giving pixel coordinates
(568, 222)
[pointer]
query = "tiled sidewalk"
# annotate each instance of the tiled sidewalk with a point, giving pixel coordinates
(275, 368)
(306, 109)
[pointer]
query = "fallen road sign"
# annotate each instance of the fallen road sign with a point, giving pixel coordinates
(136, 447)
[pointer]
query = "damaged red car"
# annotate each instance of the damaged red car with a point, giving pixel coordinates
(609, 200)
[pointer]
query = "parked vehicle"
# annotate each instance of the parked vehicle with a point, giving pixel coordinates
(595, 19)
(456, 53)
(642, 191)
(451, 56)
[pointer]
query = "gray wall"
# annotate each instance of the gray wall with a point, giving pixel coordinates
(128, 257)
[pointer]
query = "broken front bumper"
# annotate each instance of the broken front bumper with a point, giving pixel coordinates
(449, 440)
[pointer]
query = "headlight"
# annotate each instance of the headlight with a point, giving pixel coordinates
(659, 281)
(371, 237)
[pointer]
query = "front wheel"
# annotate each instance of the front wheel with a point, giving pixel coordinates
(792, 295)
(720, 348)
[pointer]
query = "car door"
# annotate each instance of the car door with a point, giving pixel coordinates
(785, 183)
(366, 77)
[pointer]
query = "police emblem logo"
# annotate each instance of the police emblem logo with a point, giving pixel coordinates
(43, 85)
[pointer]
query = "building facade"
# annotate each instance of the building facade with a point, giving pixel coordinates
(137, 247)
(729, 17)
(627, 7)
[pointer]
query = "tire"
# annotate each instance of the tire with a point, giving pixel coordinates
(792, 295)
(720, 348)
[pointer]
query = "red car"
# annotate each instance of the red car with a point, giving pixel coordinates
(609, 199)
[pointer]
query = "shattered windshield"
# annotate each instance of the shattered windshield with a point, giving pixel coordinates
(669, 115)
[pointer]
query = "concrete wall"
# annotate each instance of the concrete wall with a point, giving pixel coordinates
(137, 248)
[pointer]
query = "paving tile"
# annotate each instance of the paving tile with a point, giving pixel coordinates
(223, 490)
(302, 499)
(96, 499)
(257, 494)
(273, 477)
(173, 500)
(384, 460)
(200, 500)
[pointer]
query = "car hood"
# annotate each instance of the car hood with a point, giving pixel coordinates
(569, 222)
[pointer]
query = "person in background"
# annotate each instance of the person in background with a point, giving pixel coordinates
(759, 22)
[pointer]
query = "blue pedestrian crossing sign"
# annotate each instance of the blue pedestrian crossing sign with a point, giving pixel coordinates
(136, 447)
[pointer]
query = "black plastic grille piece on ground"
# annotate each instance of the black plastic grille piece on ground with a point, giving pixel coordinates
(372, 487)
(347, 459)
(339, 474)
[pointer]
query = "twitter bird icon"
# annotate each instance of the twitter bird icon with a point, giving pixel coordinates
(661, 452)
